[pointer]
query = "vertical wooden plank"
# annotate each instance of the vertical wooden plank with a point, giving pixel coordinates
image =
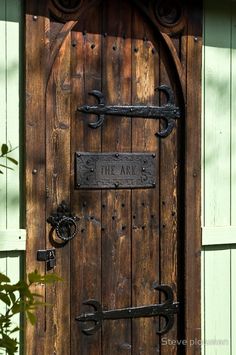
(170, 210)
(36, 63)
(22, 194)
(233, 113)
(11, 265)
(9, 128)
(193, 180)
(219, 87)
(145, 203)
(217, 112)
(116, 211)
(3, 137)
(3, 270)
(58, 190)
(203, 286)
(12, 107)
(203, 123)
(14, 272)
(233, 298)
(86, 251)
(3, 263)
(217, 300)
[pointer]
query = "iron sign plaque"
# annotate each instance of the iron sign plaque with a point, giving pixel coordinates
(115, 170)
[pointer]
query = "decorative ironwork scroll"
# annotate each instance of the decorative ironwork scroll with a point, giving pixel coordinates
(67, 6)
(168, 12)
(168, 112)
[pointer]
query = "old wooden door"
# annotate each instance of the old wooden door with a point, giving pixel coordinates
(130, 236)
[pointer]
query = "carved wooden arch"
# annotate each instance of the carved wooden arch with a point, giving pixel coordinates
(165, 29)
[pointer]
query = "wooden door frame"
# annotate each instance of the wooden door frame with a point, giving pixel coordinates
(193, 182)
(35, 168)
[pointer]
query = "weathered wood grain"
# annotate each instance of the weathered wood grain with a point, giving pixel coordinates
(58, 190)
(36, 59)
(170, 209)
(3, 113)
(127, 240)
(12, 54)
(116, 208)
(193, 180)
(217, 144)
(145, 203)
(86, 250)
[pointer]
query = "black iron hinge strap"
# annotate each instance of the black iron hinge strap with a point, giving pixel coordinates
(168, 112)
(167, 309)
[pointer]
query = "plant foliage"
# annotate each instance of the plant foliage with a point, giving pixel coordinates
(4, 154)
(19, 298)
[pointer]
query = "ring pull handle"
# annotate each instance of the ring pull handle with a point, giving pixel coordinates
(64, 222)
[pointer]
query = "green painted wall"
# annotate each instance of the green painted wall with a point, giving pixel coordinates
(12, 236)
(219, 179)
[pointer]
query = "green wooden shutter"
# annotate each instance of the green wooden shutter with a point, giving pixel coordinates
(219, 179)
(12, 235)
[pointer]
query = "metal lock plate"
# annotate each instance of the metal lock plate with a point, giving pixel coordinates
(49, 256)
(115, 170)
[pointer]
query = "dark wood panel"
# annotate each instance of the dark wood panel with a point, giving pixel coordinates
(116, 136)
(58, 190)
(127, 240)
(36, 59)
(145, 203)
(169, 211)
(86, 251)
(193, 179)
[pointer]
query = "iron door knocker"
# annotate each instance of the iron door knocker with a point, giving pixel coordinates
(64, 222)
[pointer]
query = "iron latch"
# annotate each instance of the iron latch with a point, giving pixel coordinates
(49, 256)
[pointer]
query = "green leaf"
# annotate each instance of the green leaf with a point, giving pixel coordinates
(32, 318)
(4, 149)
(16, 329)
(36, 304)
(5, 298)
(12, 297)
(9, 288)
(36, 295)
(9, 344)
(17, 308)
(6, 167)
(50, 278)
(4, 278)
(34, 277)
(21, 285)
(19, 299)
(14, 161)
